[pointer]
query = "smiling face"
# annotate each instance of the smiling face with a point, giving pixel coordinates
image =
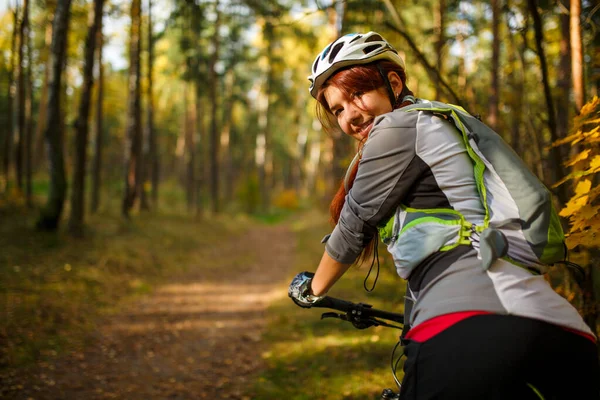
(355, 113)
(355, 96)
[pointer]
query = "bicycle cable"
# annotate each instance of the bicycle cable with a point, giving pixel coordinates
(394, 365)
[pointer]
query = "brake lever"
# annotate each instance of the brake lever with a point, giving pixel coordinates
(357, 321)
(343, 317)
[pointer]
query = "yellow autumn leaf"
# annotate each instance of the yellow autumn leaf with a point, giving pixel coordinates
(583, 187)
(579, 200)
(589, 212)
(594, 164)
(590, 106)
(593, 122)
(593, 194)
(577, 136)
(579, 157)
(588, 216)
(594, 131)
(593, 134)
(587, 239)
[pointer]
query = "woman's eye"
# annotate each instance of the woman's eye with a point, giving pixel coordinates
(357, 94)
(337, 112)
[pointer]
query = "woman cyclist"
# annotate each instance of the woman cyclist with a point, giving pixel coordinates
(476, 332)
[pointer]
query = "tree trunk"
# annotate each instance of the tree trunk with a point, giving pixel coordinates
(577, 55)
(8, 139)
(265, 170)
(301, 126)
(82, 123)
(313, 161)
(41, 120)
(563, 101)
(517, 85)
(564, 78)
(226, 162)
(462, 81)
(190, 153)
(214, 133)
(556, 170)
(20, 149)
(439, 30)
(152, 160)
(532, 138)
(298, 175)
(99, 134)
(133, 135)
(200, 149)
(534, 142)
(494, 92)
(29, 126)
(51, 213)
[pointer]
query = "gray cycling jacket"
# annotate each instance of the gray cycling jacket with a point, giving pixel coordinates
(419, 160)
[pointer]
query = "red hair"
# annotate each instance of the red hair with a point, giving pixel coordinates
(357, 78)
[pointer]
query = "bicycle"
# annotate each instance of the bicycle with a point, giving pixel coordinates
(363, 316)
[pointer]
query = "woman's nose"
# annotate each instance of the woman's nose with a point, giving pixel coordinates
(352, 115)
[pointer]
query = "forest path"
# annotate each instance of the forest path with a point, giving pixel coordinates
(198, 336)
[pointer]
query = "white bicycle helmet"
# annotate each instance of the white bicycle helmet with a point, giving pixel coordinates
(351, 49)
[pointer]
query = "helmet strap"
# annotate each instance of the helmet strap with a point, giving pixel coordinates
(402, 98)
(388, 86)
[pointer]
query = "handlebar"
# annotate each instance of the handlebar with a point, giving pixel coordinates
(361, 315)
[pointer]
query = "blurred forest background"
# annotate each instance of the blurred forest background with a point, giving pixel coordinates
(200, 109)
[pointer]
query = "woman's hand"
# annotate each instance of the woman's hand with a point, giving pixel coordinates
(307, 288)
(299, 290)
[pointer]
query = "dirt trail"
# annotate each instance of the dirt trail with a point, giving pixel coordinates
(199, 336)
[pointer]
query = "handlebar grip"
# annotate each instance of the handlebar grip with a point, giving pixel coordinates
(388, 315)
(367, 311)
(334, 304)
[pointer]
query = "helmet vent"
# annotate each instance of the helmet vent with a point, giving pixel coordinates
(374, 38)
(356, 38)
(372, 48)
(315, 65)
(336, 49)
(325, 52)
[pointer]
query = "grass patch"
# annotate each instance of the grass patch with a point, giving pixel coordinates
(310, 358)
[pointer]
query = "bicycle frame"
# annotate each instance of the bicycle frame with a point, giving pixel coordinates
(363, 316)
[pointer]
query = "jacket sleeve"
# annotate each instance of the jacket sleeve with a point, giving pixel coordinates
(385, 175)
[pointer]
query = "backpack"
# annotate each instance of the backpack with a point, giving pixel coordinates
(520, 223)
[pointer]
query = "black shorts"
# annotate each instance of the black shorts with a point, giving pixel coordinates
(502, 357)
